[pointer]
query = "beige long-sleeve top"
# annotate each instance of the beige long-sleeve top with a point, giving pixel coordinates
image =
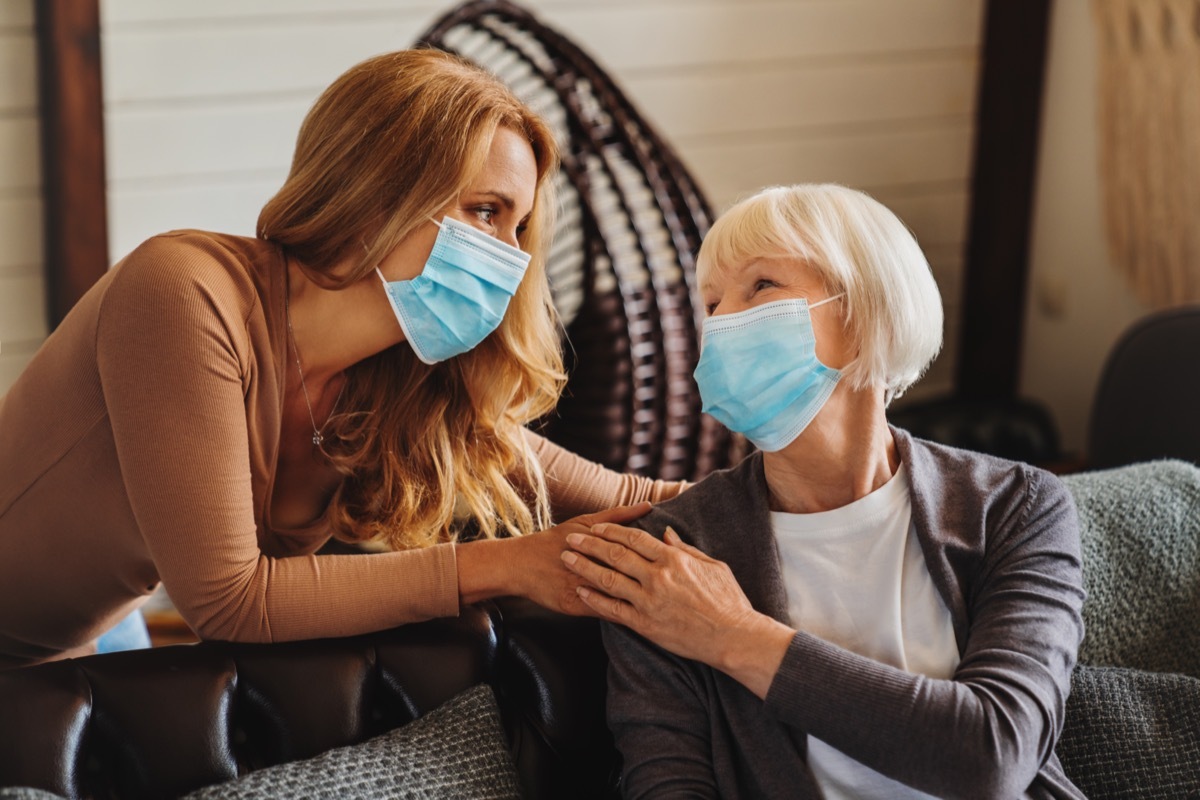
(140, 445)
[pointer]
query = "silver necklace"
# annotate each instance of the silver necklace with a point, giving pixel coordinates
(318, 433)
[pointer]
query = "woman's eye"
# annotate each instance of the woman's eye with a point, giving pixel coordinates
(709, 308)
(485, 213)
(763, 283)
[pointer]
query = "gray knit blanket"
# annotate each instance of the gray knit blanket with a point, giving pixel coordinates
(1132, 728)
(1140, 530)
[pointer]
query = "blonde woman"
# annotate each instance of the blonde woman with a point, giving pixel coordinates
(851, 612)
(217, 407)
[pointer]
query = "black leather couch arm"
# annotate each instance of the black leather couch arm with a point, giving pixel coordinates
(163, 722)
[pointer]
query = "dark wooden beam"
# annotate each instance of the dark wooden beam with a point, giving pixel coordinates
(1006, 144)
(72, 138)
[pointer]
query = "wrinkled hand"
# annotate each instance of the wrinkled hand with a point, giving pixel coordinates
(545, 578)
(676, 596)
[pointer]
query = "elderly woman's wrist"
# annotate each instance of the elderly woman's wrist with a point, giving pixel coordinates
(753, 650)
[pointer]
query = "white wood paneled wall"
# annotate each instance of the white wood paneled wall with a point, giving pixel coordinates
(203, 101)
(22, 285)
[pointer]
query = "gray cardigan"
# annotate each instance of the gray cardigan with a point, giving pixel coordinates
(1001, 541)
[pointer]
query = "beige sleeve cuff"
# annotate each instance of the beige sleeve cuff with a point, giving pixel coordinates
(578, 486)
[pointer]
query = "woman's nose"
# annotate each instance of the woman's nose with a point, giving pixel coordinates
(509, 237)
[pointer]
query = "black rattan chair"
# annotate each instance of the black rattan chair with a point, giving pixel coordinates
(622, 265)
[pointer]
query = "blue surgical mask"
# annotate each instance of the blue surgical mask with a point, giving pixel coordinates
(462, 293)
(759, 374)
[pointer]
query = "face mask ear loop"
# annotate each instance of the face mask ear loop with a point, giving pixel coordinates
(826, 300)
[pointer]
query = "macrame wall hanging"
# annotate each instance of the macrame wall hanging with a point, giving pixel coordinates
(1149, 83)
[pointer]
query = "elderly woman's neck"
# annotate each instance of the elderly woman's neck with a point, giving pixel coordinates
(845, 454)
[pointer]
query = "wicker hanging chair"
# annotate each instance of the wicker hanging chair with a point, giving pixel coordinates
(621, 268)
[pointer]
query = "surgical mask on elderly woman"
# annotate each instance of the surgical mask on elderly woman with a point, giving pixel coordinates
(462, 293)
(759, 374)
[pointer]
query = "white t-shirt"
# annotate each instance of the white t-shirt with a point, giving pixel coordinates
(856, 577)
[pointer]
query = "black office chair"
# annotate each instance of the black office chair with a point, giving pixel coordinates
(622, 266)
(1147, 405)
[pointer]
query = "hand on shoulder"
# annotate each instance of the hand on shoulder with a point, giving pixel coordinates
(531, 566)
(680, 598)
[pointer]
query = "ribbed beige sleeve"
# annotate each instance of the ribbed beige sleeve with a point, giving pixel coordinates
(578, 486)
(178, 364)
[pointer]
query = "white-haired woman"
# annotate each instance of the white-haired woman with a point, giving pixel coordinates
(850, 612)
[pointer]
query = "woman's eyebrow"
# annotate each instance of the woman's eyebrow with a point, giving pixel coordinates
(504, 199)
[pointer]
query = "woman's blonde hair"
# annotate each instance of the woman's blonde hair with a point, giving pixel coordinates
(893, 310)
(393, 141)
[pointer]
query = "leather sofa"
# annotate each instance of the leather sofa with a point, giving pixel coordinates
(163, 722)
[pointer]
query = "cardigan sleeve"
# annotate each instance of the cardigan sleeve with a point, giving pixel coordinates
(988, 730)
(579, 486)
(659, 720)
(173, 355)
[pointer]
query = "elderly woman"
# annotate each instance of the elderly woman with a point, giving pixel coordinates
(850, 612)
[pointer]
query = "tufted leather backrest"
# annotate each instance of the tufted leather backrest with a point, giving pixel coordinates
(163, 722)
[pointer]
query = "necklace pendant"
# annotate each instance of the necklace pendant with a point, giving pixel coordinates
(318, 438)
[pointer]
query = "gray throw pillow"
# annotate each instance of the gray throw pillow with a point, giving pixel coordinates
(1132, 734)
(455, 751)
(1140, 534)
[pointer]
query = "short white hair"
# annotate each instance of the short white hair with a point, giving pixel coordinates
(892, 307)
